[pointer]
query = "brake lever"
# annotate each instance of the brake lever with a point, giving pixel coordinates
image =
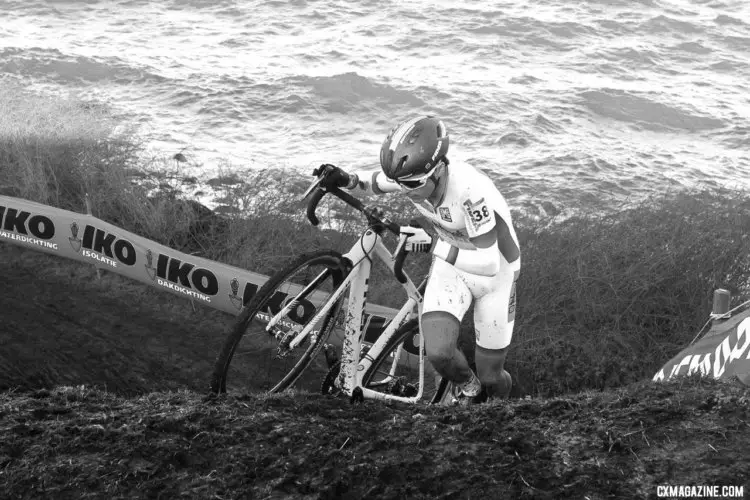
(401, 243)
(313, 186)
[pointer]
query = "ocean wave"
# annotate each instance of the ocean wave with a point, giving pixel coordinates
(723, 19)
(197, 4)
(622, 3)
(527, 26)
(741, 43)
(134, 3)
(236, 42)
(693, 48)
(347, 91)
(666, 24)
(281, 3)
(230, 100)
(517, 137)
(524, 136)
(728, 65)
(611, 69)
(225, 73)
(42, 6)
(51, 64)
(737, 137)
(628, 107)
(547, 125)
(639, 56)
(525, 80)
(613, 27)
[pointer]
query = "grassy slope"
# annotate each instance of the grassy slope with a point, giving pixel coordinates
(61, 325)
(603, 301)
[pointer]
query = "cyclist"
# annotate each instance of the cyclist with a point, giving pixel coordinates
(476, 253)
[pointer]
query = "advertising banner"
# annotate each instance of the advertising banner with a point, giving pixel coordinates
(90, 240)
(722, 355)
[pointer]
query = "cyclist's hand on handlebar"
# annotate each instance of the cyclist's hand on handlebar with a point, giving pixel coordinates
(417, 239)
(375, 211)
(332, 176)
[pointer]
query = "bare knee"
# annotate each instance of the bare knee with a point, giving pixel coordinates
(441, 331)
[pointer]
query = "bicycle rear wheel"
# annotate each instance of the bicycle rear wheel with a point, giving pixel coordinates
(396, 369)
(253, 359)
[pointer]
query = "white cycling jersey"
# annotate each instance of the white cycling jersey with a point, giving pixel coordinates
(471, 206)
(463, 273)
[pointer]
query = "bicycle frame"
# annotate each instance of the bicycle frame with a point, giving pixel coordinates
(352, 367)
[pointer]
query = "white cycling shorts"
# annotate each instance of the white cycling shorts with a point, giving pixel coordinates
(452, 290)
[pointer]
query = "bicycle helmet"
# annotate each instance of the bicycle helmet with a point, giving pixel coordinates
(414, 147)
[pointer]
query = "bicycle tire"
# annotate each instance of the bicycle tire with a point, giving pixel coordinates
(262, 301)
(434, 389)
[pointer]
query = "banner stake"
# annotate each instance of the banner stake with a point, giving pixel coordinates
(88, 204)
(88, 212)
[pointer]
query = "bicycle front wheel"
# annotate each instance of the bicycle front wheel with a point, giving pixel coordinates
(255, 358)
(395, 370)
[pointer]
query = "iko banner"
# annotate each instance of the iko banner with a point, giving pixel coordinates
(90, 240)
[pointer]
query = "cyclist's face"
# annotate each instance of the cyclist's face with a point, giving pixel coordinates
(431, 185)
(424, 192)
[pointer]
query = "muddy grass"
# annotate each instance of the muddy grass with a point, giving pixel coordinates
(80, 443)
(137, 435)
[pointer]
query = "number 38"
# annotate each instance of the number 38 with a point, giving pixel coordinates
(477, 215)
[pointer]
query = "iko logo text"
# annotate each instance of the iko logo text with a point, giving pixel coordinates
(186, 275)
(19, 225)
(103, 246)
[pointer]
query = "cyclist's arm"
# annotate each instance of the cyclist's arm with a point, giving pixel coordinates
(482, 227)
(371, 183)
(486, 228)
(485, 240)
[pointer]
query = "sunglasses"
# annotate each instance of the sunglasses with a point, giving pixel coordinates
(412, 183)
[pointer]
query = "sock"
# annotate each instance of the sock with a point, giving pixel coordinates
(472, 387)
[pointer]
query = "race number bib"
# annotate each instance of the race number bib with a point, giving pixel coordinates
(477, 213)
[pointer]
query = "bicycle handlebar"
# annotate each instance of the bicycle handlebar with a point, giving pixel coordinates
(319, 192)
(312, 205)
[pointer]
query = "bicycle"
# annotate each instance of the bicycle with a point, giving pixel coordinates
(299, 306)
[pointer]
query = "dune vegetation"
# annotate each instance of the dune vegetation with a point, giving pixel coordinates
(104, 379)
(603, 299)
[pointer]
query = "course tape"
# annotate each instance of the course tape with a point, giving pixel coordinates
(90, 240)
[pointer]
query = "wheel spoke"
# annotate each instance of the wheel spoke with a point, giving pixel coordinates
(254, 359)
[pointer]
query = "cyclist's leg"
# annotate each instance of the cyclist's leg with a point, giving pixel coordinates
(494, 318)
(491, 372)
(446, 300)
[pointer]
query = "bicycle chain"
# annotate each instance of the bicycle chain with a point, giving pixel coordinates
(328, 387)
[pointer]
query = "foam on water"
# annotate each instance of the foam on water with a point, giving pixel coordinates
(588, 103)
